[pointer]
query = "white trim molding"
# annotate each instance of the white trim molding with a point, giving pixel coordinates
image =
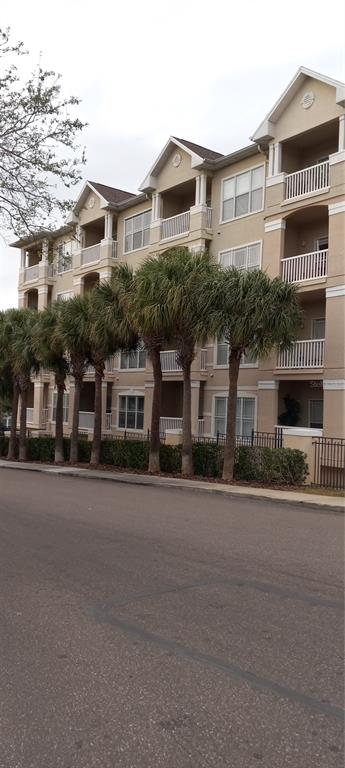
(337, 157)
(271, 226)
(334, 384)
(268, 384)
(335, 290)
(334, 208)
(301, 432)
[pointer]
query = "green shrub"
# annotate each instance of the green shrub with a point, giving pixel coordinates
(3, 445)
(170, 458)
(133, 454)
(276, 466)
(40, 448)
(207, 459)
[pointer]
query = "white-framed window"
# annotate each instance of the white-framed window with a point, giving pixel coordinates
(222, 355)
(64, 257)
(245, 415)
(245, 257)
(243, 194)
(65, 407)
(316, 414)
(318, 328)
(137, 231)
(133, 360)
(64, 295)
(321, 243)
(131, 412)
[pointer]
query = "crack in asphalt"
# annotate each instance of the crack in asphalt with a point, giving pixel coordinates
(102, 614)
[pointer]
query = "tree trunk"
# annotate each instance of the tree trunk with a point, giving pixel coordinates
(75, 422)
(154, 465)
(22, 426)
(60, 385)
(230, 443)
(97, 427)
(12, 445)
(187, 457)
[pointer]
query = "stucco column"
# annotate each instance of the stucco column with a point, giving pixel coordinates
(273, 247)
(277, 166)
(42, 297)
(334, 408)
(267, 413)
(195, 386)
(38, 402)
(271, 159)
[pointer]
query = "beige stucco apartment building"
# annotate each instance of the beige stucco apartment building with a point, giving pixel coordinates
(277, 204)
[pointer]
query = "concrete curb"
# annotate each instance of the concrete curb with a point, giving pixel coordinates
(317, 503)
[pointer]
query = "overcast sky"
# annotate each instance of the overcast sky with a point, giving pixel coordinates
(203, 70)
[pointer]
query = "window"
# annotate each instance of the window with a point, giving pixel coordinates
(321, 243)
(64, 258)
(135, 359)
(318, 328)
(248, 360)
(131, 412)
(245, 416)
(137, 231)
(316, 414)
(64, 296)
(243, 194)
(247, 257)
(65, 407)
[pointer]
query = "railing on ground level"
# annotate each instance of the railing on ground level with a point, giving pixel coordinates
(29, 415)
(86, 420)
(175, 225)
(307, 266)
(208, 218)
(44, 416)
(90, 254)
(31, 273)
(329, 463)
(201, 427)
(303, 354)
(169, 422)
(255, 439)
(311, 179)
(169, 361)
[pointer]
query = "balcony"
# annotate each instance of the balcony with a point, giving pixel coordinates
(169, 362)
(91, 254)
(175, 226)
(31, 273)
(169, 422)
(44, 417)
(29, 415)
(114, 249)
(303, 354)
(307, 181)
(307, 266)
(86, 421)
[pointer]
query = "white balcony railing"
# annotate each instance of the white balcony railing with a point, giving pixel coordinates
(175, 226)
(31, 273)
(311, 179)
(108, 422)
(50, 270)
(203, 359)
(169, 422)
(169, 361)
(208, 218)
(201, 427)
(114, 249)
(29, 415)
(307, 266)
(90, 254)
(303, 354)
(86, 420)
(44, 416)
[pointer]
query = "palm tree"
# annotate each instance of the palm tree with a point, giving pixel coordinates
(182, 277)
(73, 328)
(255, 314)
(148, 315)
(9, 386)
(49, 347)
(24, 362)
(109, 332)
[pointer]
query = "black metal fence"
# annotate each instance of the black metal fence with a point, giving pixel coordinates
(329, 463)
(255, 439)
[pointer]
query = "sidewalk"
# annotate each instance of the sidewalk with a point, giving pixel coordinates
(332, 503)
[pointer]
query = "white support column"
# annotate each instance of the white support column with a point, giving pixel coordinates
(277, 158)
(108, 226)
(197, 190)
(22, 258)
(156, 207)
(202, 191)
(271, 159)
(341, 139)
(45, 250)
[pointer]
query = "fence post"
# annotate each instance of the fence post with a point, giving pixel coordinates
(217, 438)
(252, 438)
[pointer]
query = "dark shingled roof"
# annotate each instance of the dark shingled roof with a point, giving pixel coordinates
(111, 194)
(206, 154)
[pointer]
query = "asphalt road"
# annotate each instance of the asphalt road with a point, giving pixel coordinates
(146, 627)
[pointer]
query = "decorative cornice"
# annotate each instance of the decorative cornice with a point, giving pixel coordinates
(334, 208)
(337, 157)
(271, 226)
(335, 290)
(332, 384)
(268, 384)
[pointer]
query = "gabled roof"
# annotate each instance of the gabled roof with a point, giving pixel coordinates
(197, 153)
(265, 131)
(111, 194)
(43, 234)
